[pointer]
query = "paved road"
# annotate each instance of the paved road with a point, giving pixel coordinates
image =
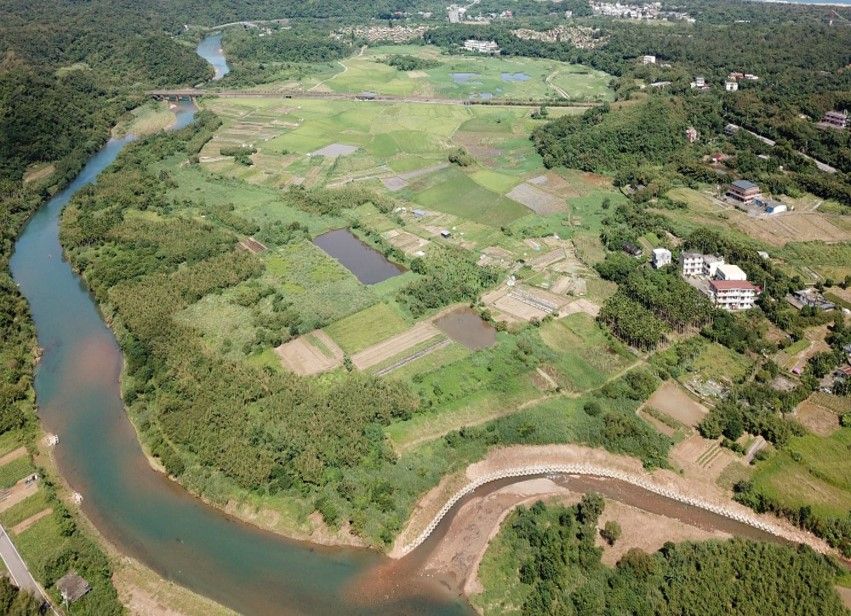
(770, 142)
(21, 576)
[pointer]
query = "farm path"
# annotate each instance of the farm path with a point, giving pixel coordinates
(558, 89)
(345, 69)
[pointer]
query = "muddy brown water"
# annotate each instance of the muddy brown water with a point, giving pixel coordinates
(464, 325)
(367, 264)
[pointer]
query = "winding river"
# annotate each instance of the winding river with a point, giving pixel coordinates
(142, 512)
(138, 509)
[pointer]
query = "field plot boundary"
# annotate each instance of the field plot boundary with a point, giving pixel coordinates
(305, 355)
(391, 347)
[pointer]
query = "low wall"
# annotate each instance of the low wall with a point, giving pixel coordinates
(596, 471)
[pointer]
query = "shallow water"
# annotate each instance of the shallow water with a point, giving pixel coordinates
(514, 77)
(467, 327)
(463, 78)
(367, 264)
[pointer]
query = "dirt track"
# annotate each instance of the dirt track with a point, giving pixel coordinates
(391, 347)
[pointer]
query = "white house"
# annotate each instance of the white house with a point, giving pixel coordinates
(733, 294)
(692, 264)
(728, 271)
(731, 86)
(661, 257)
(481, 46)
(648, 59)
(710, 265)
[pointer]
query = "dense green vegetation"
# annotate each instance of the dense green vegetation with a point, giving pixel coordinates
(545, 561)
(291, 45)
(15, 602)
(447, 276)
(404, 62)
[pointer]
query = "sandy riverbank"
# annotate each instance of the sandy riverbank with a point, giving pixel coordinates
(500, 460)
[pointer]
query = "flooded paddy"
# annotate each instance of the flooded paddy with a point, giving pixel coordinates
(367, 264)
(514, 76)
(463, 78)
(467, 327)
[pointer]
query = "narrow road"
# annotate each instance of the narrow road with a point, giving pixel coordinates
(770, 142)
(21, 576)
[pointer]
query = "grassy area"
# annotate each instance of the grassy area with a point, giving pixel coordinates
(11, 440)
(826, 260)
(320, 289)
(587, 355)
(150, 118)
(454, 192)
(25, 509)
(719, 363)
(12, 472)
(362, 329)
(469, 77)
(811, 470)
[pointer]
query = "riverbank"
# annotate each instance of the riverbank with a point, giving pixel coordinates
(535, 461)
(141, 590)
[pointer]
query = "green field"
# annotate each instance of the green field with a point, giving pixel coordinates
(811, 470)
(499, 77)
(587, 357)
(362, 329)
(25, 509)
(12, 472)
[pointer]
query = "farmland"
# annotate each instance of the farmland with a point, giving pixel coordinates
(458, 77)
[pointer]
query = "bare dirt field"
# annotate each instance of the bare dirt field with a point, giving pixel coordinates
(25, 524)
(646, 531)
(792, 227)
(407, 242)
(252, 245)
(391, 347)
(817, 419)
(334, 150)
(18, 492)
(673, 400)
(310, 354)
(537, 200)
(523, 303)
(845, 595)
(701, 458)
(20, 452)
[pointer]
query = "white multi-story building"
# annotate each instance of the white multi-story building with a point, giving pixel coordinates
(710, 265)
(731, 86)
(661, 257)
(692, 264)
(733, 294)
(648, 59)
(728, 271)
(481, 46)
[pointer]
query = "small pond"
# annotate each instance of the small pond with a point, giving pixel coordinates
(514, 76)
(463, 78)
(467, 327)
(367, 264)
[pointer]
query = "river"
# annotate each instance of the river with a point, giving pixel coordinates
(142, 512)
(139, 510)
